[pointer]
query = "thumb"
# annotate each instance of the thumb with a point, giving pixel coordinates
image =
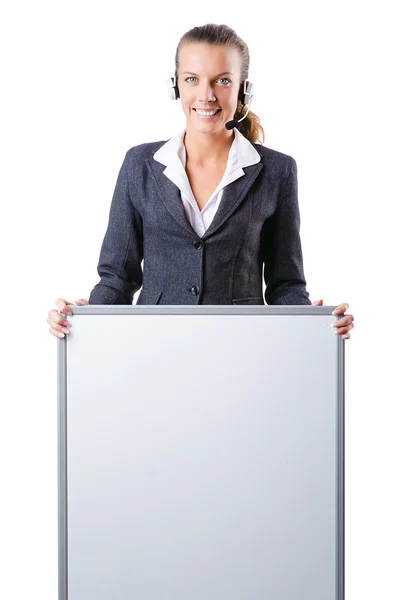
(81, 301)
(318, 302)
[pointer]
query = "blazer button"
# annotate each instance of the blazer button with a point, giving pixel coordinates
(194, 290)
(198, 245)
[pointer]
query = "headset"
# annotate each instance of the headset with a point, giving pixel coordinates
(245, 95)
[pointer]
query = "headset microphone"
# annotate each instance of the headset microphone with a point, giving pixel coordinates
(234, 122)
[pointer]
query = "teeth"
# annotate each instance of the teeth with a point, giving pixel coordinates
(205, 113)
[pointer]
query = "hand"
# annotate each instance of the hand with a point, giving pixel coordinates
(56, 321)
(344, 325)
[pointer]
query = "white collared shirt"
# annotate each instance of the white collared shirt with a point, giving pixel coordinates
(173, 154)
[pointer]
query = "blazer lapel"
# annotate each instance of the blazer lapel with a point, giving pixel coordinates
(170, 194)
(233, 194)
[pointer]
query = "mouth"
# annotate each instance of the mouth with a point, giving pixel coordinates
(207, 114)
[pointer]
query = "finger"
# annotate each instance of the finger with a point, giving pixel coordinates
(58, 326)
(342, 330)
(340, 309)
(62, 305)
(55, 318)
(81, 301)
(56, 332)
(343, 321)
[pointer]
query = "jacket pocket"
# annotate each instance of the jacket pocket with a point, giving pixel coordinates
(149, 297)
(251, 300)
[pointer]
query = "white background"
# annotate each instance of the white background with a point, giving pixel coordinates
(84, 81)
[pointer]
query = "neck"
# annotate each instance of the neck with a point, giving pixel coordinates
(207, 148)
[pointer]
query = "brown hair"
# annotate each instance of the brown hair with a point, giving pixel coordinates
(223, 35)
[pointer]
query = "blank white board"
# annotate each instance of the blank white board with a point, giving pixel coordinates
(201, 454)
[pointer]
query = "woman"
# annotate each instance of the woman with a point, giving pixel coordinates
(208, 208)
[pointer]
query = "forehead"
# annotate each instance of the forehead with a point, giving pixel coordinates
(207, 59)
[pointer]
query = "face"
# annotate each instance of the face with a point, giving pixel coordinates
(208, 80)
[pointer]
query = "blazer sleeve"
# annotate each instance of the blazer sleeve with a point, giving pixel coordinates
(283, 270)
(121, 253)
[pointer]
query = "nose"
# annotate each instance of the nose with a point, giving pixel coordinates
(206, 93)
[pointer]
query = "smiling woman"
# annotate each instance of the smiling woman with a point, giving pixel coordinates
(212, 61)
(211, 212)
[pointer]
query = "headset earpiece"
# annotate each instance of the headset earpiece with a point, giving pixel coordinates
(246, 92)
(173, 88)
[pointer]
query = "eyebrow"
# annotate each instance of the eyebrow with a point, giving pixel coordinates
(195, 74)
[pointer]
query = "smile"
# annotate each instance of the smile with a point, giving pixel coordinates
(207, 114)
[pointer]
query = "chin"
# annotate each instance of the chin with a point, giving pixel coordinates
(207, 127)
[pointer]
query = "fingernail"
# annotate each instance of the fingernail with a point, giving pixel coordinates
(65, 330)
(61, 335)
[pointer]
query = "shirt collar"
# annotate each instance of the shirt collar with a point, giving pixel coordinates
(241, 154)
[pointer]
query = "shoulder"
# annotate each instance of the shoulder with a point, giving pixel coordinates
(134, 164)
(275, 160)
(142, 152)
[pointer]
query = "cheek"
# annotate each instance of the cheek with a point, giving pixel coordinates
(184, 105)
(187, 102)
(230, 102)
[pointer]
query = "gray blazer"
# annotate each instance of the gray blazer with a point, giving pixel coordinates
(253, 238)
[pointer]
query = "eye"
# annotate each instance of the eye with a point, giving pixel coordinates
(220, 79)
